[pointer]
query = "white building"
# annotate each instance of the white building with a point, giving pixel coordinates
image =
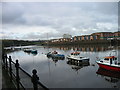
(67, 36)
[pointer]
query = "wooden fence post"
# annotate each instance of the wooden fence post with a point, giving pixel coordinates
(3, 58)
(6, 63)
(35, 79)
(10, 68)
(17, 74)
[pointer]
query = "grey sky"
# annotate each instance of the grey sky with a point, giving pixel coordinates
(33, 20)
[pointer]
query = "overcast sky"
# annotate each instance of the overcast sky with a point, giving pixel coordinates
(33, 20)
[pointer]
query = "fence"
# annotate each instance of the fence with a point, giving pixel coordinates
(20, 78)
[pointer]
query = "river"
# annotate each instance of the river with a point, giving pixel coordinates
(60, 74)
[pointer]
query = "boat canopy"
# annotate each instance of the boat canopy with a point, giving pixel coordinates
(54, 52)
(109, 57)
(75, 53)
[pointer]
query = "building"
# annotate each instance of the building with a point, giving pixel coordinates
(67, 36)
(93, 36)
(65, 40)
(104, 35)
(86, 37)
(117, 35)
(54, 40)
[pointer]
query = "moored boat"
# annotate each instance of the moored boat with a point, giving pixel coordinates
(27, 50)
(76, 56)
(34, 51)
(110, 62)
(30, 51)
(55, 55)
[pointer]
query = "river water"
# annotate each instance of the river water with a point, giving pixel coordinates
(61, 74)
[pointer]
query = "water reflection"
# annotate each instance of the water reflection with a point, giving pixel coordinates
(87, 48)
(77, 66)
(29, 53)
(109, 76)
(55, 59)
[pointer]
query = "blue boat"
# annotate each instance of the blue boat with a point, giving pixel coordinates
(34, 51)
(55, 55)
(31, 51)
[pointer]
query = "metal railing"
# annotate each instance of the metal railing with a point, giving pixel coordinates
(20, 78)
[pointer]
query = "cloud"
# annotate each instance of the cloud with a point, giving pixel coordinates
(29, 20)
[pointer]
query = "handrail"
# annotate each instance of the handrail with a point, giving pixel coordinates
(39, 83)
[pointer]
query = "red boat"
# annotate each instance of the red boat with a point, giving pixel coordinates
(109, 62)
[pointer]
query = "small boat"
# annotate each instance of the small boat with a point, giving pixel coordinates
(27, 50)
(76, 56)
(109, 62)
(55, 55)
(34, 51)
(30, 51)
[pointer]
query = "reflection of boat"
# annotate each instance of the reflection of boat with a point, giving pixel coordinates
(76, 56)
(76, 66)
(108, 73)
(110, 76)
(109, 62)
(55, 55)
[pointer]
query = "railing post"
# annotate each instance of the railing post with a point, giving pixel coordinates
(10, 68)
(17, 74)
(6, 63)
(3, 58)
(35, 79)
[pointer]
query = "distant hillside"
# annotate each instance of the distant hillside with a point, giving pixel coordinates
(7, 43)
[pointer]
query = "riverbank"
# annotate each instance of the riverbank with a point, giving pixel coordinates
(88, 42)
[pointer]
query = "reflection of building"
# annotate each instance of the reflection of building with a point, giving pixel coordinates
(109, 76)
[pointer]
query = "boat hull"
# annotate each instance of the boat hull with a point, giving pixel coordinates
(108, 67)
(56, 56)
(79, 60)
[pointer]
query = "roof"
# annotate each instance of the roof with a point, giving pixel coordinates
(101, 32)
(109, 57)
(75, 53)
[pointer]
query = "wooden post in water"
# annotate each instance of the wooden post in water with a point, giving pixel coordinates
(35, 79)
(17, 74)
(10, 68)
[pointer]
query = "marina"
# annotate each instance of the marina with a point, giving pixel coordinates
(66, 45)
(49, 69)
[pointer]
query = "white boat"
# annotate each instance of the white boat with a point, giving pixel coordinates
(109, 62)
(76, 56)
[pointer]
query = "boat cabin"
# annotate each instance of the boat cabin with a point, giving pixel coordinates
(75, 53)
(54, 52)
(110, 59)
